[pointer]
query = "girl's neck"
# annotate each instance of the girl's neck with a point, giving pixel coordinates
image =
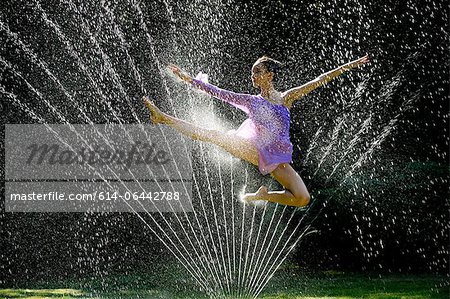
(267, 89)
(270, 94)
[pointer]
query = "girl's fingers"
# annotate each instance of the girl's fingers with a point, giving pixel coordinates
(174, 68)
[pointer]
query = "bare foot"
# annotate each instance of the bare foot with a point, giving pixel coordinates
(259, 195)
(156, 116)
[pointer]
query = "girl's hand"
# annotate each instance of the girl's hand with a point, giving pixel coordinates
(358, 62)
(180, 74)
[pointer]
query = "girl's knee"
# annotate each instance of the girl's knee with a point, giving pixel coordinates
(303, 200)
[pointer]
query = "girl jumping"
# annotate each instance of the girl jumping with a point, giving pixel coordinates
(262, 139)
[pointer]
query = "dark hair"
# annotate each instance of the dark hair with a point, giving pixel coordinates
(271, 65)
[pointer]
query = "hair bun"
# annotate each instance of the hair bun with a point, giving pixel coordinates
(271, 64)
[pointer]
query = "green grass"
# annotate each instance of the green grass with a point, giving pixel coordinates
(348, 286)
(287, 283)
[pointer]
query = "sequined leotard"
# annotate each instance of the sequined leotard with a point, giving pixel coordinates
(267, 126)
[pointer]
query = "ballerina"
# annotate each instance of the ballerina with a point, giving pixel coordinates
(262, 139)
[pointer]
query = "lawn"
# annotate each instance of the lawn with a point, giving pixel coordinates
(287, 283)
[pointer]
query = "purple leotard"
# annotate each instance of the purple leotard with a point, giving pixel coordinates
(267, 126)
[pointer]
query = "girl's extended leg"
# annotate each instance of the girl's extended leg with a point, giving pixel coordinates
(238, 147)
(296, 193)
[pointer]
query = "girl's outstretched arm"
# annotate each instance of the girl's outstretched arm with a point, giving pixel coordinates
(180, 73)
(296, 93)
(239, 100)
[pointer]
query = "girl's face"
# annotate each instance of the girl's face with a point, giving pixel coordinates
(260, 75)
